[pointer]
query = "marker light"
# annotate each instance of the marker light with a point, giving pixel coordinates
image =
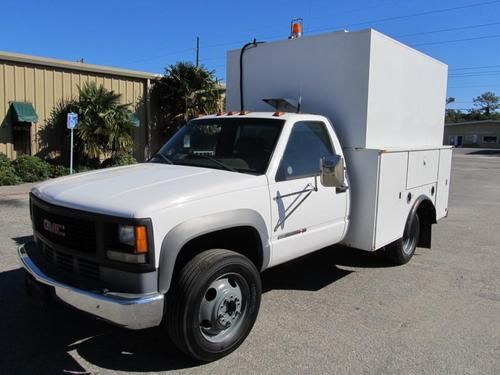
(296, 28)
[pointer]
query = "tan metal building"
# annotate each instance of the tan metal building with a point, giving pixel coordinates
(31, 86)
(483, 134)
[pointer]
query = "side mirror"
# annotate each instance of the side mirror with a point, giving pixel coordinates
(332, 171)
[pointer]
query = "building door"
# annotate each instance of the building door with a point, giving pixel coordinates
(459, 141)
(21, 134)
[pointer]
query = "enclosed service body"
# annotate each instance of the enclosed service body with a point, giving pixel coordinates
(386, 103)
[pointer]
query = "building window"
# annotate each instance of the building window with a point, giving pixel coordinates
(489, 139)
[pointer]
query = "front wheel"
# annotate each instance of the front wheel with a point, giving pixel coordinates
(401, 251)
(214, 304)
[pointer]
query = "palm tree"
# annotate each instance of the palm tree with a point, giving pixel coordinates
(104, 123)
(182, 93)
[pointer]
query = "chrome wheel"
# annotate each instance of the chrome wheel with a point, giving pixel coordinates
(223, 307)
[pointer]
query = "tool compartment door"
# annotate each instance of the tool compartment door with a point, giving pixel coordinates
(391, 201)
(422, 168)
(443, 185)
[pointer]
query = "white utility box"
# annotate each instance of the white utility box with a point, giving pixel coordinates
(378, 92)
(384, 187)
(386, 102)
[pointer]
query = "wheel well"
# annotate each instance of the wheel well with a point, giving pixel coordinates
(427, 216)
(244, 240)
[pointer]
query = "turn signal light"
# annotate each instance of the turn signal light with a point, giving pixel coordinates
(141, 240)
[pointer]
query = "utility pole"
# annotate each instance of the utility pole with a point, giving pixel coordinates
(197, 51)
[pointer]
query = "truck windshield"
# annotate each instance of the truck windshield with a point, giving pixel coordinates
(240, 145)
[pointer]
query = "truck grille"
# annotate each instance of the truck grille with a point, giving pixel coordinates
(73, 233)
(71, 264)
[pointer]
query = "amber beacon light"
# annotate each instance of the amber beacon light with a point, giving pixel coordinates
(296, 27)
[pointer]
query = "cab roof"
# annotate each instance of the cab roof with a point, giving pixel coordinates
(266, 115)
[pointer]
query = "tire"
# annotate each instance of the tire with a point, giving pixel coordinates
(401, 251)
(213, 304)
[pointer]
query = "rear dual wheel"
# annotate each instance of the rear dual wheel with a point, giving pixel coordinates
(401, 251)
(213, 304)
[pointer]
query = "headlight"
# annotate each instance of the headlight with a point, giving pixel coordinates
(126, 234)
(136, 240)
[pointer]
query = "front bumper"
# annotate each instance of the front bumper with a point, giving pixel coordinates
(129, 311)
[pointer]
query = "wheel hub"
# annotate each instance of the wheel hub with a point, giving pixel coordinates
(228, 311)
(221, 308)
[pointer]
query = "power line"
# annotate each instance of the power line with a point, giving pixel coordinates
(476, 67)
(477, 75)
(486, 72)
(396, 18)
(456, 40)
(474, 86)
(380, 20)
(446, 30)
(429, 12)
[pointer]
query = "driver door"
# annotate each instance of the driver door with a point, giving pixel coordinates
(305, 215)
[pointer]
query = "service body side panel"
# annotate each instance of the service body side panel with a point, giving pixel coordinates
(362, 167)
(391, 205)
(385, 185)
(443, 184)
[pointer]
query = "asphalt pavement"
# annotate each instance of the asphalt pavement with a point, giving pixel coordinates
(338, 311)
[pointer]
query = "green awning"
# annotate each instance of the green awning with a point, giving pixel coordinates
(134, 120)
(23, 112)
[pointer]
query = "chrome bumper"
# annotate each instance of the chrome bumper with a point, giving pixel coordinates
(133, 312)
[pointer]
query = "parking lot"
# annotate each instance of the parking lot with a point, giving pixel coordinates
(337, 311)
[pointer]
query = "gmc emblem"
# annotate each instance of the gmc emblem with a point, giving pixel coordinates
(57, 229)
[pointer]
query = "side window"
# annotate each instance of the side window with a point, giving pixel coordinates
(308, 143)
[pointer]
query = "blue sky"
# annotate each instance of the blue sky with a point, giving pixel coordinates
(151, 34)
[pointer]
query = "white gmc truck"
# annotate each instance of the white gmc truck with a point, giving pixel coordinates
(351, 153)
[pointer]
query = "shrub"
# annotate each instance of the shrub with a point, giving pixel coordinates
(31, 168)
(119, 161)
(4, 160)
(8, 175)
(58, 171)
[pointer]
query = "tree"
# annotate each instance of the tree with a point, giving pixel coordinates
(487, 103)
(104, 127)
(182, 93)
(104, 124)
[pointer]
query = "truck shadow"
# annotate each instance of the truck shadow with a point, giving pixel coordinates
(320, 269)
(42, 340)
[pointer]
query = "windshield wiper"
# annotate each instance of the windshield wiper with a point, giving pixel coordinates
(225, 166)
(163, 157)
